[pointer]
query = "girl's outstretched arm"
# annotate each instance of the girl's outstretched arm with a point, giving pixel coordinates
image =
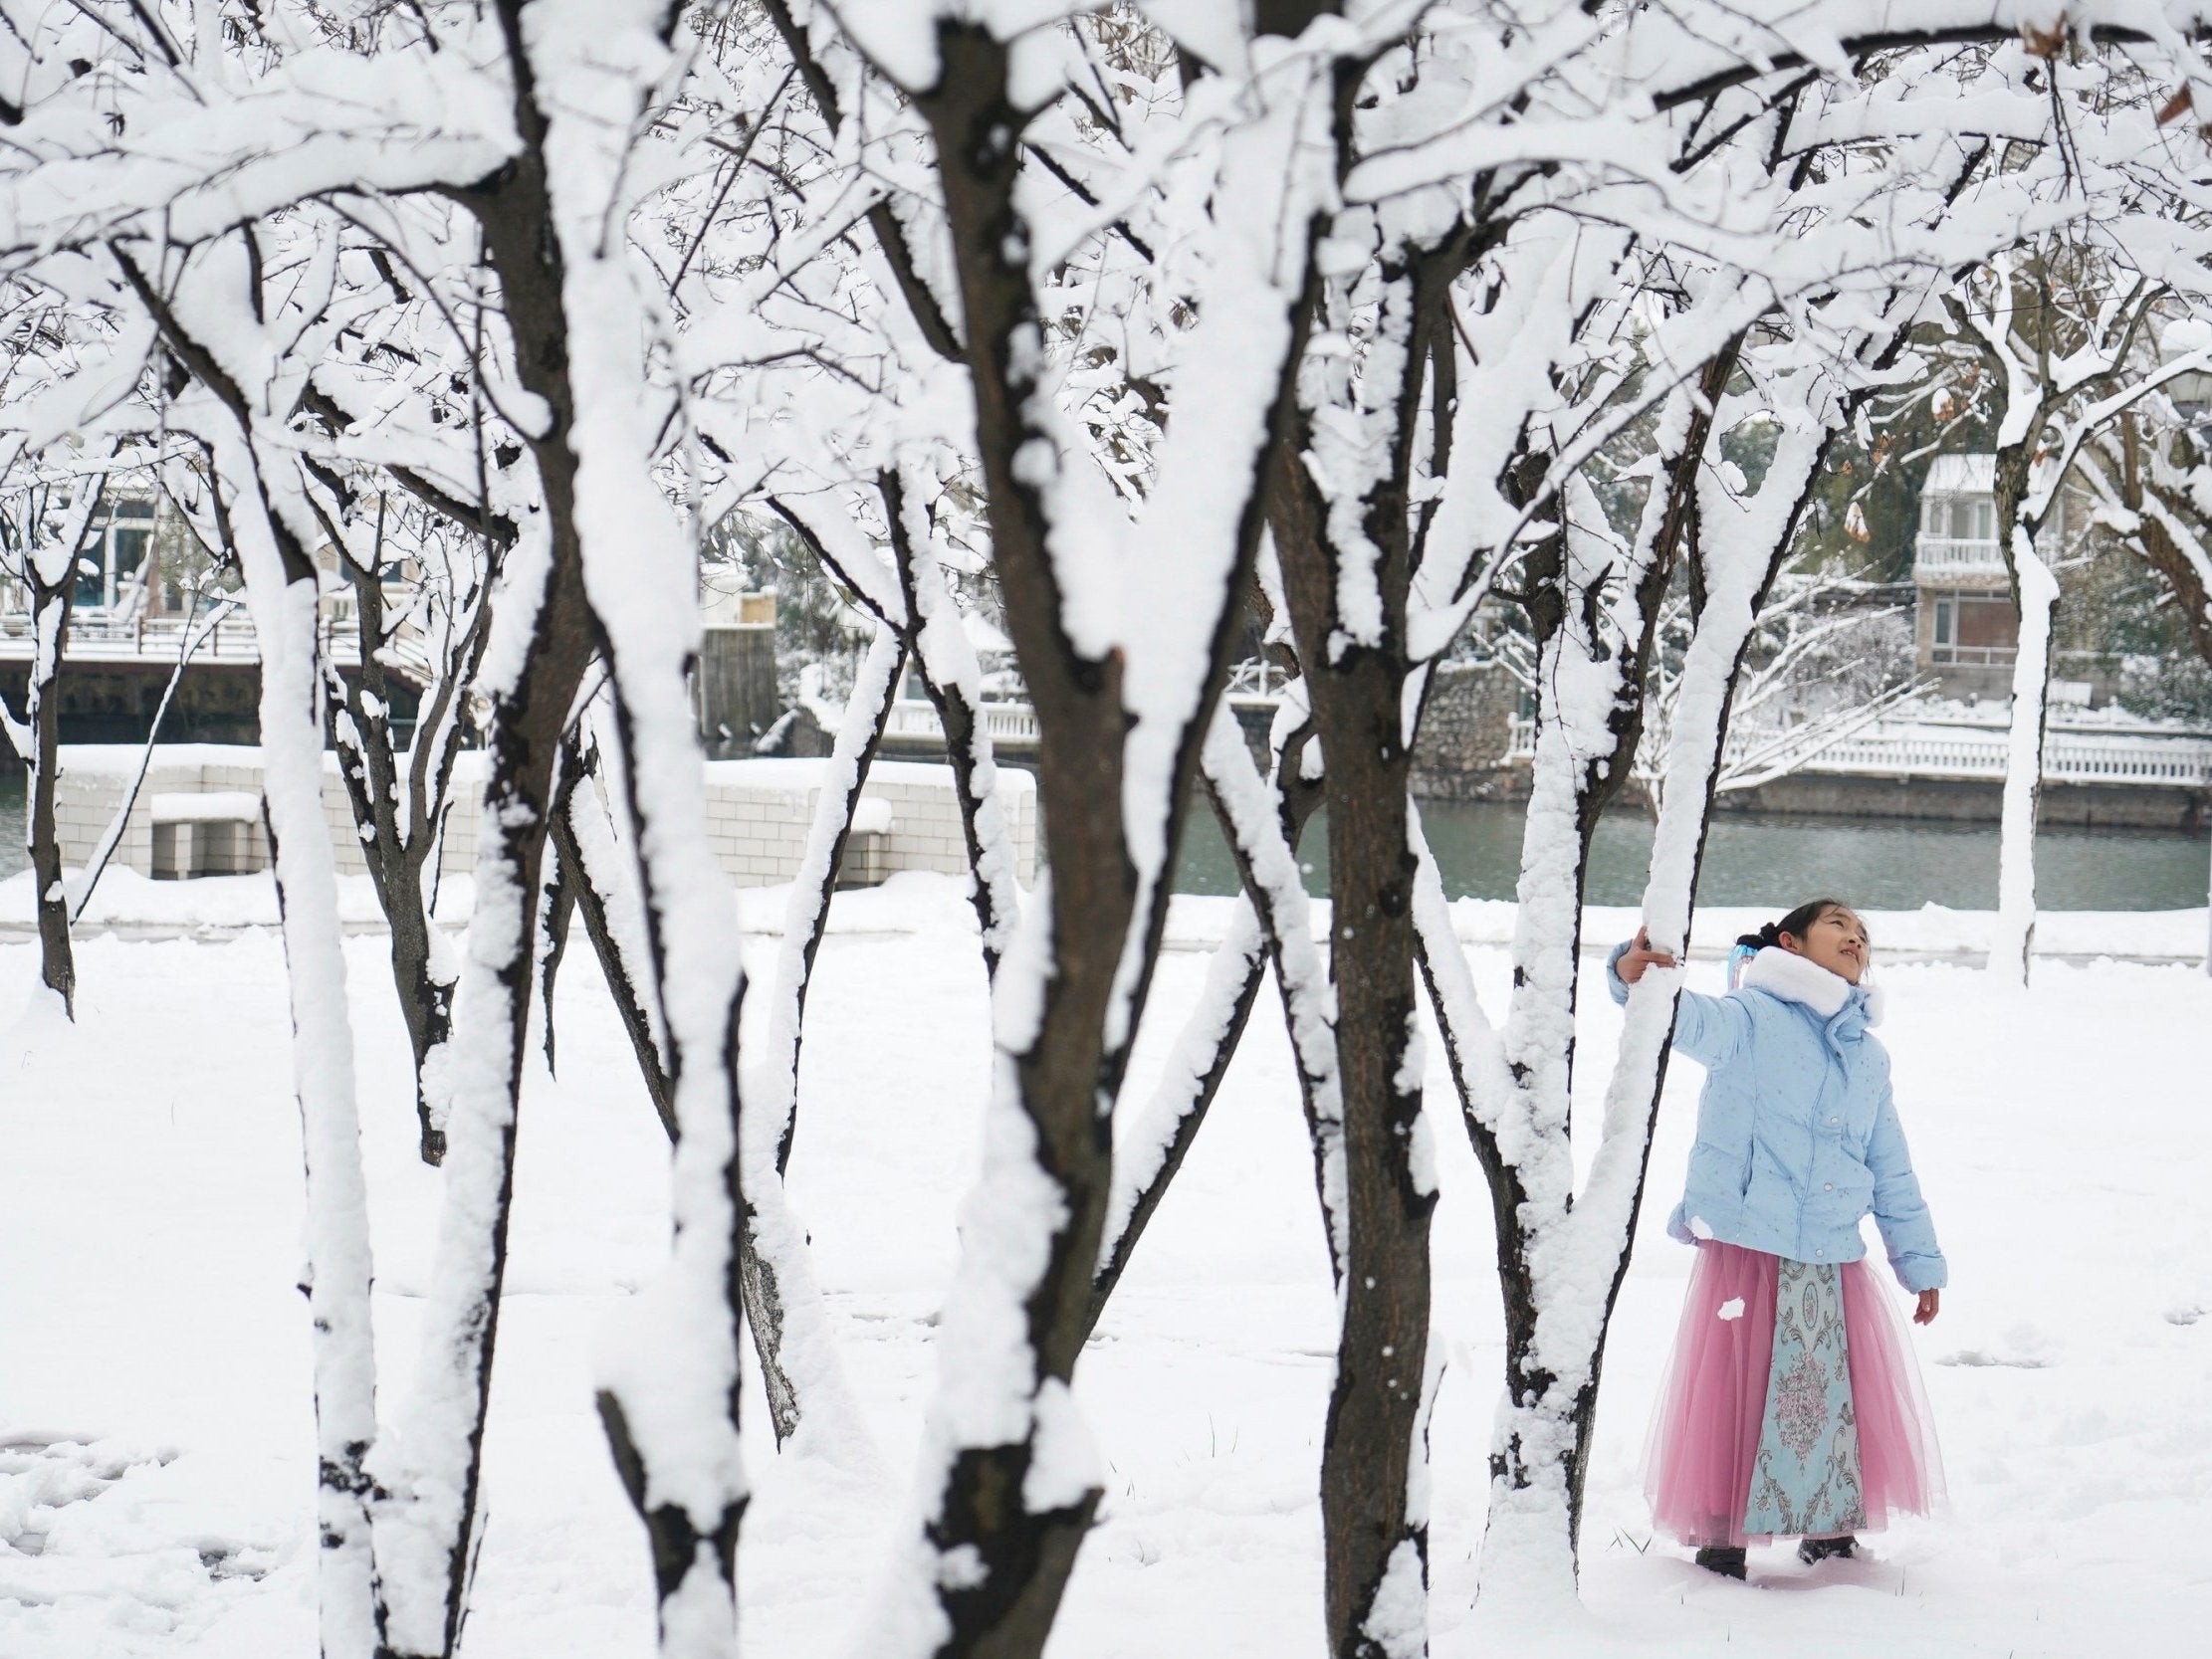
(1711, 1030)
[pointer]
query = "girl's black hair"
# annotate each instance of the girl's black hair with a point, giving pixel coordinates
(1794, 924)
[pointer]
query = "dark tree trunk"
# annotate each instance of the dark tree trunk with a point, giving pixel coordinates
(589, 886)
(586, 885)
(360, 731)
(528, 725)
(1023, 1556)
(555, 912)
(52, 605)
(2166, 557)
(1374, 1420)
(966, 741)
(1067, 1073)
(1376, 1431)
(56, 958)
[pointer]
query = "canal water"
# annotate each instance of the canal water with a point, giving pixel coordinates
(1876, 863)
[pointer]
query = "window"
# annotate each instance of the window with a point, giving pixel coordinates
(121, 541)
(1974, 519)
(1971, 628)
(1991, 624)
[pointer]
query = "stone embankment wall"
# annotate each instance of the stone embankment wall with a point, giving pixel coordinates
(758, 811)
(114, 702)
(2164, 807)
(1466, 731)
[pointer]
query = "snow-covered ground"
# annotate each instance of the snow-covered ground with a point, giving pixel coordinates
(156, 1450)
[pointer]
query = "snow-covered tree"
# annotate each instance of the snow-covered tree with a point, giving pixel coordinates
(1142, 307)
(2066, 342)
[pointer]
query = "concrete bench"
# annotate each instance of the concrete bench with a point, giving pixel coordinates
(216, 833)
(867, 858)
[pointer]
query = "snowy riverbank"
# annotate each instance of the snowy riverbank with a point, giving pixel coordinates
(148, 1226)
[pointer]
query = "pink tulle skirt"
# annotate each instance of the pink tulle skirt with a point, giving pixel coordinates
(1704, 1438)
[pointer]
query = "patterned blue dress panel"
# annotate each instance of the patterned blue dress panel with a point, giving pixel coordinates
(1805, 1480)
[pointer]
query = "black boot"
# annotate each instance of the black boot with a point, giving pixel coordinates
(1722, 1558)
(1814, 1551)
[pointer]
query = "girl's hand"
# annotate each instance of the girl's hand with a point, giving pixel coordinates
(1639, 956)
(1930, 1301)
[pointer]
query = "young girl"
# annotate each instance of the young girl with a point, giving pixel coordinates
(1792, 1408)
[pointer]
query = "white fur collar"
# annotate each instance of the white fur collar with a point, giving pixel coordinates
(1796, 978)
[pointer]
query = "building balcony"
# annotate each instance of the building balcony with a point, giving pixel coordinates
(1950, 559)
(1974, 656)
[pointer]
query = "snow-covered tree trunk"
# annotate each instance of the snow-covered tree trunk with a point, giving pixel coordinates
(538, 652)
(1263, 821)
(1012, 1481)
(2048, 338)
(2036, 590)
(283, 591)
(540, 639)
(1016, 1488)
(262, 518)
(773, 1247)
(952, 678)
(1573, 1247)
(49, 571)
(1515, 1084)
(806, 911)
(913, 598)
(782, 1304)
(399, 804)
(592, 868)
(1344, 533)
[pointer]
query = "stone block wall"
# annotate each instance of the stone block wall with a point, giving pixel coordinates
(95, 777)
(1466, 731)
(758, 811)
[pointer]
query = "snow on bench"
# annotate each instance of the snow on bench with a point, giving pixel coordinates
(219, 806)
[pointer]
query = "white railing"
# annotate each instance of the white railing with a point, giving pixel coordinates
(230, 639)
(1986, 655)
(2068, 757)
(1902, 749)
(1952, 552)
(108, 639)
(1013, 724)
(1257, 679)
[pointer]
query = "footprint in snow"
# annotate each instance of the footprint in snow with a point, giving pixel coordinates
(44, 1474)
(41, 1474)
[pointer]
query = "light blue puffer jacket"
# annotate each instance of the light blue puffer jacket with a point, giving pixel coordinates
(1797, 1133)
